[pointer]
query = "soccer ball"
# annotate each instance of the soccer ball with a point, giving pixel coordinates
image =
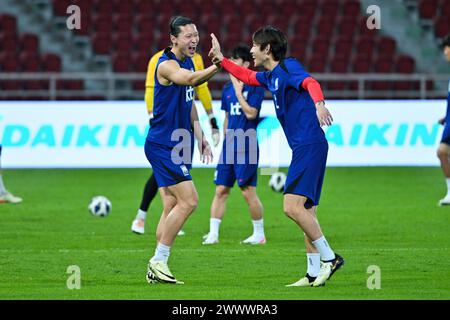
(277, 181)
(100, 206)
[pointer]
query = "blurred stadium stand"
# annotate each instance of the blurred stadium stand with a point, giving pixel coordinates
(40, 58)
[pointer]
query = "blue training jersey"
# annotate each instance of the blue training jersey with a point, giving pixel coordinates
(293, 105)
(171, 107)
(236, 117)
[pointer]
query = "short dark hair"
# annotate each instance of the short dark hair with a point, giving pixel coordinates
(241, 51)
(446, 41)
(176, 22)
(273, 36)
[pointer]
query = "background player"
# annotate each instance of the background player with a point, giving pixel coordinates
(299, 104)
(174, 115)
(242, 104)
(443, 151)
(5, 195)
(203, 93)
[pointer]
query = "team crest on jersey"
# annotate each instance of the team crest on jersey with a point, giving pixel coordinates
(185, 170)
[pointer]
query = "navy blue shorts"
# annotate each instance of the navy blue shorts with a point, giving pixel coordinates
(306, 172)
(244, 174)
(169, 166)
(446, 135)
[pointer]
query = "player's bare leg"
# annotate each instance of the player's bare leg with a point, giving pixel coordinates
(256, 212)
(169, 201)
(218, 206)
(294, 207)
(186, 202)
(312, 259)
(443, 153)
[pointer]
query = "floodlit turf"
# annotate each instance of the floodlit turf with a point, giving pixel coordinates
(386, 217)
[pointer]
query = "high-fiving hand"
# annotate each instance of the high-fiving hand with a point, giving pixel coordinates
(215, 54)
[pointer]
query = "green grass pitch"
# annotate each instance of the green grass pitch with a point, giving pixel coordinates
(386, 217)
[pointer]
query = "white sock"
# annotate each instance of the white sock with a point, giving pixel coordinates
(313, 264)
(214, 225)
(141, 214)
(446, 180)
(2, 186)
(258, 227)
(324, 248)
(162, 253)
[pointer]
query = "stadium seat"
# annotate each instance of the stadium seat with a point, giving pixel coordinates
(8, 42)
(51, 62)
(29, 42)
(386, 46)
(8, 22)
(442, 27)
(140, 61)
(122, 62)
(102, 43)
(427, 8)
(29, 61)
(404, 64)
(351, 8)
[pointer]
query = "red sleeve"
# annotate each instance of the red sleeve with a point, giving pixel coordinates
(245, 75)
(313, 87)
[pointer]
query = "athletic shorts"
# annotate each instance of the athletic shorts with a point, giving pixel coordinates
(168, 167)
(245, 174)
(446, 135)
(306, 172)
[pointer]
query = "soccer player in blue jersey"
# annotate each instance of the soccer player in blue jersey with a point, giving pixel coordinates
(239, 159)
(5, 195)
(443, 151)
(300, 108)
(170, 138)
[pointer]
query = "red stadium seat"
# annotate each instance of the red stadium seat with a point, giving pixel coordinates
(144, 7)
(339, 66)
(404, 64)
(102, 43)
(104, 7)
(361, 65)
(8, 43)
(233, 24)
(280, 22)
(140, 61)
(442, 27)
(145, 23)
(427, 9)
(29, 42)
(386, 46)
(351, 8)
(10, 64)
(30, 62)
(124, 7)
(10, 85)
(8, 22)
(69, 84)
(365, 45)
(139, 85)
(254, 22)
(51, 62)
(123, 23)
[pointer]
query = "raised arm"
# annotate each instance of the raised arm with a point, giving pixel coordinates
(171, 71)
(245, 75)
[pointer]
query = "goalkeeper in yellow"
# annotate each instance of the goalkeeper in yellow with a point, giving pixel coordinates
(202, 91)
